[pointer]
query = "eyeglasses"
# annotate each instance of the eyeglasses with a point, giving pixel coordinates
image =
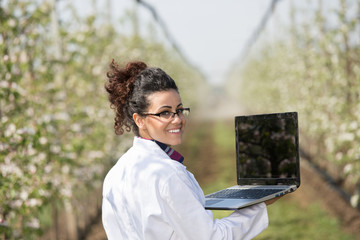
(167, 115)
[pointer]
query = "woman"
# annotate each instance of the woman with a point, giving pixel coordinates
(149, 194)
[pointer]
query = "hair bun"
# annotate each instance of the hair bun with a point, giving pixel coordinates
(134, 68)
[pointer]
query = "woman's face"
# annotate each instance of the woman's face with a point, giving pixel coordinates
(168, 131)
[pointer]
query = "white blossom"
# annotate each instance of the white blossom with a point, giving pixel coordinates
(3, 146)
(5, 57)
(46, 118)
(32, 168)
(348, 168)
(43, 140)
(65, 169)
(23, 57)
(31, 151)
(50, 129)
(71, 155)
(355, 200)
(4, 84)
(24, 195)
(10, 130)
(95, 154)
(16, 203)
(19, 89)
(97, 70)
(48, 168)
(10, 168)
(33, 202)
(55, 149)
(347, 136)
(11, 22)
(39, 158)
(353, 125)
(4, 119)
(64, 116)
(76, 127)
(34, 223)
(339, 156)
(30, 112)
(66, 190)
(44, 193)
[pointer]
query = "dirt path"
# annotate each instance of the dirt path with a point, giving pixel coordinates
(97, 232)
(313, 188)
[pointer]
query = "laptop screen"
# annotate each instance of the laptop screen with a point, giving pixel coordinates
(267, 149)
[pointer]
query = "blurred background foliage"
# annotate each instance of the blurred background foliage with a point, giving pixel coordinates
(56, 132)
(314, 68)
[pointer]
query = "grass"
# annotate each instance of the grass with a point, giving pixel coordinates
(288, 220)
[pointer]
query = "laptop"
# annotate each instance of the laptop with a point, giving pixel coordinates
(267, 161)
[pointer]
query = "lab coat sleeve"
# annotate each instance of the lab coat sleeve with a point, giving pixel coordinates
(189, 219)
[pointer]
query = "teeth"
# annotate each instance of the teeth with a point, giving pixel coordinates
(175, 131)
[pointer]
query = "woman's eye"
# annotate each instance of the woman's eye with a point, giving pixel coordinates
(165, 114)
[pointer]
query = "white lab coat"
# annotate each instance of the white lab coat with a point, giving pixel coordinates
(146, 195)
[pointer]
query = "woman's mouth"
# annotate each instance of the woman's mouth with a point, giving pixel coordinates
(174, 130)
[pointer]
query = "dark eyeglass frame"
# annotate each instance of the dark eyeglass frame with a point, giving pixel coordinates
(179, 112)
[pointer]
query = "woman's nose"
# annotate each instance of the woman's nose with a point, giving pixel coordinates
(176, 118)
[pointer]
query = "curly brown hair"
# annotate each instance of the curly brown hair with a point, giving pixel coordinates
(128, 88)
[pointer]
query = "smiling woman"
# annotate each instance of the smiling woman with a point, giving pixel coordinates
(168, 123)
(149, 194)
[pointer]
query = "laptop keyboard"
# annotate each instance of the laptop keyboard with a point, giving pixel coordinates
(252, 193)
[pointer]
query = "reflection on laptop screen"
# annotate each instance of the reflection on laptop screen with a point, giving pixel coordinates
(267, 146)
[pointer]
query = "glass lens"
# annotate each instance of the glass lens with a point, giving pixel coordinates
(184, 112)
(166, 115)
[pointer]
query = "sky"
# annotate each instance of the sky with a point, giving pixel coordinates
(211, 34)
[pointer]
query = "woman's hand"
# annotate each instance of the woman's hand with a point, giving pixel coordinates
(271, 201)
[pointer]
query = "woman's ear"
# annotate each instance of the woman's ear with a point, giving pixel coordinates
(139, 121)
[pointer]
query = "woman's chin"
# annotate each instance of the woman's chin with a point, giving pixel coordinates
(174, 141)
